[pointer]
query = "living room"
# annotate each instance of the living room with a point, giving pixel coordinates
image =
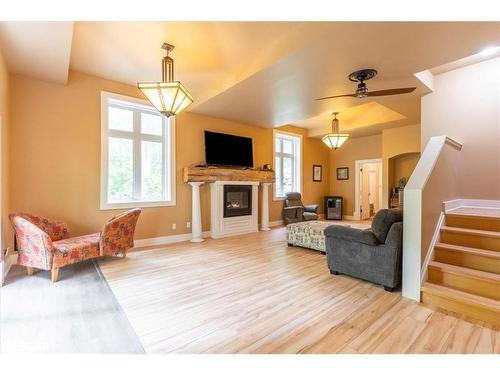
(284, 187)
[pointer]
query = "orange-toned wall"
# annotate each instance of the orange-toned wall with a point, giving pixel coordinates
(353, 149)
(4, 156)
(465, 106)
(55, 156)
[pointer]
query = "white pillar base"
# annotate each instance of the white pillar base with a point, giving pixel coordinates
(264, 219)
(196, 212)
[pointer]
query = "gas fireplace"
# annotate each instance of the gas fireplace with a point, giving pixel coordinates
(237, 200)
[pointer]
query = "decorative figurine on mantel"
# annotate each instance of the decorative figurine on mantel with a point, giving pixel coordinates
(267, 167)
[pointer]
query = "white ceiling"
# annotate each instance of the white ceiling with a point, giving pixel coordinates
(37, 49)
(262, 73)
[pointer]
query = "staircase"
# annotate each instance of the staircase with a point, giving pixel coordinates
(464, 276)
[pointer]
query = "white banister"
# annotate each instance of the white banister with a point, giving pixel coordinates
(433, 181)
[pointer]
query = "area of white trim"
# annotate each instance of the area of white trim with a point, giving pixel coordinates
(301, 157)
(166, 240)
(5, 267)
(412, 212)
(449, 206)
(357, 168)
(170, 180)
(276, 223)
(430, 251)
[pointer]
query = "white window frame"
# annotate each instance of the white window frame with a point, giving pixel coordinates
(168, 154)
(297, 156)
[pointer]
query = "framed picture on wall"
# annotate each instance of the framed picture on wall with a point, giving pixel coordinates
(317, 173)
(343, 173)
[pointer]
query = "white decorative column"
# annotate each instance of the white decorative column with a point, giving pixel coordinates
(264, 218)
(196, 212)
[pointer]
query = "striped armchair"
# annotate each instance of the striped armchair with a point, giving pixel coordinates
(45, 244)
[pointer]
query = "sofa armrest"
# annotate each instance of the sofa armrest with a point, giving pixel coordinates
(293, 211)
(311, 208)
(395, 235)
(352, 234)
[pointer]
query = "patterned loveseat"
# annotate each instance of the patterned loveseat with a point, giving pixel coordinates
(45, 244)
(309, 234)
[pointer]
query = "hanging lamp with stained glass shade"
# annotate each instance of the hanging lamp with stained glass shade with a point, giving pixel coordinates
(335, 139)
(169, 97)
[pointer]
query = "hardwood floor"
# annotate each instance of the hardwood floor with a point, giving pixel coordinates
(254, 294)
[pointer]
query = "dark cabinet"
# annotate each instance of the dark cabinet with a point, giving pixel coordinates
(333, 208)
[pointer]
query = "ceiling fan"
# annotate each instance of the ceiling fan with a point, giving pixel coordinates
(362, 91)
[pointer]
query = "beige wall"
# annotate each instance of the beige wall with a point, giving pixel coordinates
(353, 149)
(396, 143)
(5, 233)
(402, 142)
(403, 166)
(465, 106)
(55, 156)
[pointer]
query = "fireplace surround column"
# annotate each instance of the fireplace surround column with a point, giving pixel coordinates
(196, 212)
(264, 219)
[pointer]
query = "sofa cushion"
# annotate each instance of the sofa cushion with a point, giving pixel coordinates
(352, 234)
(310, 216)
(383, 221)
(75, 249)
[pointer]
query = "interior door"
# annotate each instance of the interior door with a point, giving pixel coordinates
(365, 192)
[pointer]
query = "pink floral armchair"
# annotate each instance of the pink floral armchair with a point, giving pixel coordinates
(45, 244)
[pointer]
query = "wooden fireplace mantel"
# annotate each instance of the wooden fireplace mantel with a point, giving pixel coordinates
(203, 174)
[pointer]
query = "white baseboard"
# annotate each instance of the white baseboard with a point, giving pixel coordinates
(5, 266)
(430, 250)
(276, 223)
(449, 206)
(166, 240)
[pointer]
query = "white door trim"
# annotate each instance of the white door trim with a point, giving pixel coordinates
(357, 170)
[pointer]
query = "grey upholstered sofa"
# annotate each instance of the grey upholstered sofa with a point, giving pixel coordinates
(372, 254)
(295, 211)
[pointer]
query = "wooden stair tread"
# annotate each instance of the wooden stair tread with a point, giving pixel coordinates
(468, 250)
(473, 232)
(454, 294)
(466, 271)
(488, 214)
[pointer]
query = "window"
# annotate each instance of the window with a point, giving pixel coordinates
(137, 154)
(287, 161)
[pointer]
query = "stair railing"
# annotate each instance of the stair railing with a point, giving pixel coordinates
(433, 181)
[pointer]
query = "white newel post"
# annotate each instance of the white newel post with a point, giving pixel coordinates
(196, 212)
(264, 219)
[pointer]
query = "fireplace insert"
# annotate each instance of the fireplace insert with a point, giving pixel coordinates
(237, 200)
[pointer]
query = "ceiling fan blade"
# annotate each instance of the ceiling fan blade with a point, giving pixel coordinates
(405, 90)
(336, 96)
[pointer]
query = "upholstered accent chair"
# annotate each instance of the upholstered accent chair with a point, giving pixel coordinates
(372, 254)
(295, 211)
(45, 244)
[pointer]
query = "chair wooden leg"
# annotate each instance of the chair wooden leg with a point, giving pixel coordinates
(29, 271)
(55, 274)
(125, 252)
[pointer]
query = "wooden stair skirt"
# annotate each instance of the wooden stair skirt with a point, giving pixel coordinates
(464, 277)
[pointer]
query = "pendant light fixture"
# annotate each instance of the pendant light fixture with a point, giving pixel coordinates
(168, 96)
(334, 139)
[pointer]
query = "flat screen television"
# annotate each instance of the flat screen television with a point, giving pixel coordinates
(228, 150)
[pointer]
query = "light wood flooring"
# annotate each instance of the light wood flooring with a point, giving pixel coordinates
(254, 294)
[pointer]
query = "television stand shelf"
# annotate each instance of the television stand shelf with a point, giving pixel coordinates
(204, 174)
